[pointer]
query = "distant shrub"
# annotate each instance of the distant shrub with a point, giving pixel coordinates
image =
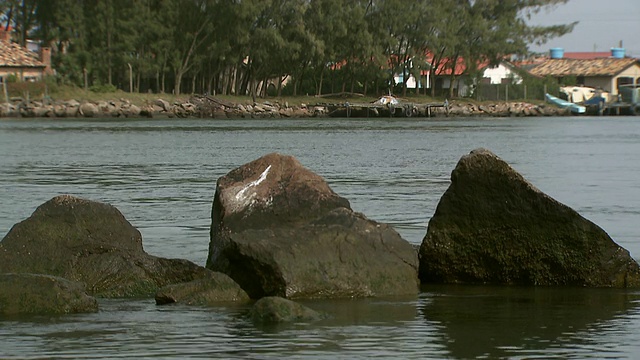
(11, 78)
(103, 88)
(26, 89)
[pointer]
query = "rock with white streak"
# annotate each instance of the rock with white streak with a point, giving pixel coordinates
(279, 230)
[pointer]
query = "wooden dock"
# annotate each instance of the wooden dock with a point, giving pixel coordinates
(620, 108)
(377, 110)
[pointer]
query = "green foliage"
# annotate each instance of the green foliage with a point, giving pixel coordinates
(103, 88)
(26, 89)
(232, 46)
(568, 81)
(11, 78)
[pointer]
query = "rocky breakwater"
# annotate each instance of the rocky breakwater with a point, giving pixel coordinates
(279, 230)
(502, 109)
(194, 107)
(73, 240)
(209, 107)
(75, 109)
(493, 227)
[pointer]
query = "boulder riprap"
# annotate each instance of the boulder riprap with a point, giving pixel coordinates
(273, 309)
(89, 242)
(493, 227)
(43, 294)
(210, 290)
(279, 230)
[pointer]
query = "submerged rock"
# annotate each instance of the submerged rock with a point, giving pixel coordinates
(89, 242)
(273, 309)
(279, 230)
(43, 294)
(211, 289)
(493, 226)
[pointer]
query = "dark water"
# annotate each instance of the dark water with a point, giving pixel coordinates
(161, 174)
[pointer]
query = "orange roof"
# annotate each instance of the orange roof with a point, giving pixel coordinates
(444, 66)
(14, 55)
(577, 67)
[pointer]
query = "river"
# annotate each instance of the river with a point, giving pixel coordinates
(161, 175)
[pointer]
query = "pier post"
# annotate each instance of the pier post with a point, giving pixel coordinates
(4, 89)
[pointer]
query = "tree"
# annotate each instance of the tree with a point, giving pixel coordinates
(233, 46)
(191, 28)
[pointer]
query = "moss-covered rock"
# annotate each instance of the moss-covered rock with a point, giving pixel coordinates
(43, 294)
(210, 290)
(493, 226)
(279, 230)
(89, 242)
(273, 309)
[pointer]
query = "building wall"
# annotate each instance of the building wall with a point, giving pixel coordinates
(602, 82)
(610, 84)
(497, 74)
(632, 72)
(24, 74)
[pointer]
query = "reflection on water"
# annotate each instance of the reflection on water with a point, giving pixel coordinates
(443, 322)
(499, 322)
(161, 174)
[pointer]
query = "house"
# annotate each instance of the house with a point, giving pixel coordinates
(606, 73)
(18, 61)
(504, 72)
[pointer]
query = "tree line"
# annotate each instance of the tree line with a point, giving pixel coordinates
(295, 46)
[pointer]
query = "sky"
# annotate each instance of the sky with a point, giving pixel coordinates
(602, 24)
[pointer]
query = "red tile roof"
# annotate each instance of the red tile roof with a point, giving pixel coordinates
(444, 66)
(14, 55)
(587, 55)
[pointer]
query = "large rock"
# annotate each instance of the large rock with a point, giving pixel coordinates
(89, 242)
(163, 104)
(89, 110)
(279, 230)
(492, 226)
(43, 294)
(210, 290)
(273, 309)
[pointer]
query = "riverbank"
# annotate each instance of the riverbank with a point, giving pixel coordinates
(200, 106)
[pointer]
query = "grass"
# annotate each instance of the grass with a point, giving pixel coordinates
(39, 90)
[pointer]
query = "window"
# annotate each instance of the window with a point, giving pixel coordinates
(623, 81)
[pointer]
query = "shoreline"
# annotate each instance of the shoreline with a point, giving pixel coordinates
(210, 107)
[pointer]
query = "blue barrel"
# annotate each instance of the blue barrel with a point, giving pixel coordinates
(617, 53)
(556, 53)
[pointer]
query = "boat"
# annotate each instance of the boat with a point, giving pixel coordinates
(595, 100)
(583, 94)
(565, 104)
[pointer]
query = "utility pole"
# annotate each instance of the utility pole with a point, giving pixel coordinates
(130, 78)
(4, 89)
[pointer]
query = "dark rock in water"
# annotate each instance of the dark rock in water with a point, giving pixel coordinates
(279, 230)
(214, 288)
(273, 309)
(493, 226)
(43, 294)
(89, 242)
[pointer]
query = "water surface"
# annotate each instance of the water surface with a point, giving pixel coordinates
(161, 174)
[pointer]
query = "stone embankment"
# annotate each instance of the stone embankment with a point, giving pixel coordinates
(211, 107)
